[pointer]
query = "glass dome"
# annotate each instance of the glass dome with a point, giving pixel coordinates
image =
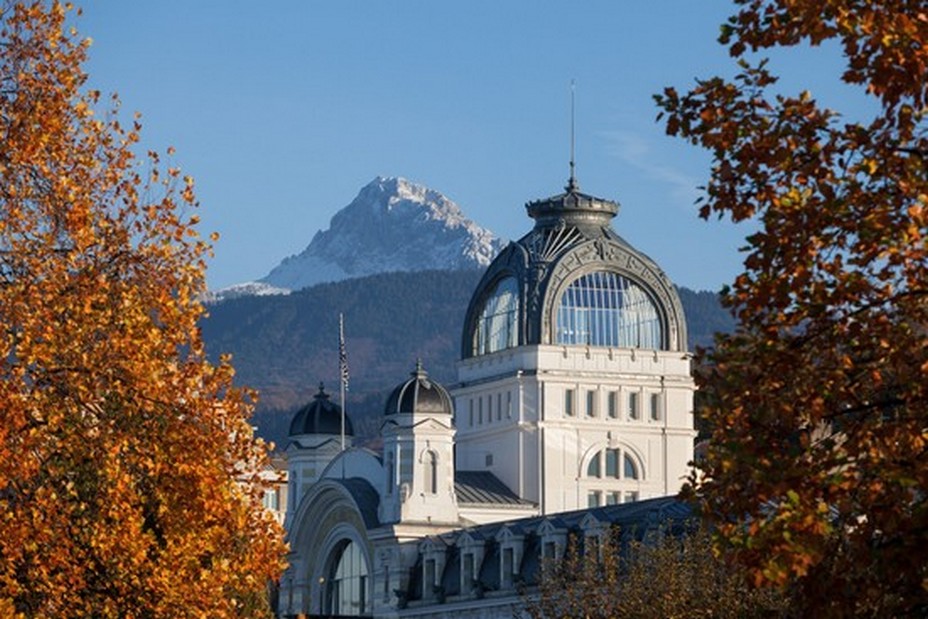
(572, 280)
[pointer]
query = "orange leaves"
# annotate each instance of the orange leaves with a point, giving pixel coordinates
(818, 403)
(120, 443)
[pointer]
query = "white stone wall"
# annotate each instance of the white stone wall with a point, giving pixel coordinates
(542, 436)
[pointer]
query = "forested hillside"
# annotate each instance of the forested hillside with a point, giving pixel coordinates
(284, 346)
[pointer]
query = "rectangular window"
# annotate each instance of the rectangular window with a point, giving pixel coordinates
(428, 578)
(613, 404)
(594, 498)
(480, 411)
(406, 465)
(470, 411)
(655, 407)
(631, 496)
(467, 573)
(489, 409)
(509, 405)
(569, 402)
(271, 499)
(612, 463)
(590, 403)
(549, 550)
(499, 406)
(613, 498)
(507, 567)
(489, 460)
(633, 405)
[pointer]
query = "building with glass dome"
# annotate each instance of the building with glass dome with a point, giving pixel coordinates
(572, 412)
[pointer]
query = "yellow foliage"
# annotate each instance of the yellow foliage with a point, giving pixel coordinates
(128, 468)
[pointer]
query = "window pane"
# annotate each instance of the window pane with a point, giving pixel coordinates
(612, 463)
(631, 470)
(348, 582)
(497, 325)
(606, 309)
(592, 469)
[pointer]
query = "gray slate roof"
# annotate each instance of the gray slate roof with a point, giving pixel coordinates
(484, 488)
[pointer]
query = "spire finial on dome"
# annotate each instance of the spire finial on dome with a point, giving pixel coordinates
(572, 184)
(322, 394)
(420, 371)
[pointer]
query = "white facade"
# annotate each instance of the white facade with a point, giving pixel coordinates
(536, 416)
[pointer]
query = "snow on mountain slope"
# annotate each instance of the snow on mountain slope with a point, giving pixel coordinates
(392, 225)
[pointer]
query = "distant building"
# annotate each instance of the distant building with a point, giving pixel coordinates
(572, 411)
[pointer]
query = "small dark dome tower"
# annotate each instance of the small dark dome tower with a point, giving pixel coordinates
(418, 452)
(320, 416)
(419, 396)
(315, 440)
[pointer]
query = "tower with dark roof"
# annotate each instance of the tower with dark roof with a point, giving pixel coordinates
(574, 380)
(314, 441)
(418, 452)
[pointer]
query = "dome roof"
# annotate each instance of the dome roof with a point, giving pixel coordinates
(419, 395)
(572, 259)
(321, 416)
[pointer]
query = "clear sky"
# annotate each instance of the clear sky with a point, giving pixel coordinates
(282, 111)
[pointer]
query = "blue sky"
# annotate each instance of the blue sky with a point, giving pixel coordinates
(282, 111)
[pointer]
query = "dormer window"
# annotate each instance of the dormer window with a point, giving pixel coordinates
(511, 545)
(433, 552)
(472, 552)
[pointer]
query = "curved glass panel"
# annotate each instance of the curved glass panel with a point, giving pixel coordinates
(631, 471)
(348, 582)
(497, 325)
(606, 309)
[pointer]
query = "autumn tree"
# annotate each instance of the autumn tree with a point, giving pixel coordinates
(818, 466)
(666, 576)
(128, 469)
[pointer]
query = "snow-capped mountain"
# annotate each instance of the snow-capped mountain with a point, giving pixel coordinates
(392, 225)
(246, 289)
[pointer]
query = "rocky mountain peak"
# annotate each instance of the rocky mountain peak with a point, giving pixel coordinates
(392, 225)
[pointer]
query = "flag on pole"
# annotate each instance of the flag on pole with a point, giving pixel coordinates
(343, 376)
(342, 354)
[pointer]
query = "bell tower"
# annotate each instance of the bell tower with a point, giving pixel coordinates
(418, 453)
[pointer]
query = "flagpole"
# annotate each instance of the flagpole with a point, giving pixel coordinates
(342, 371)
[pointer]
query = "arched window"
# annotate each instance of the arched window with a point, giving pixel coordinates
(391, 471)
(431, 473)
(613, 485)
(348, 581)
(605, 309)
(498, 323)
